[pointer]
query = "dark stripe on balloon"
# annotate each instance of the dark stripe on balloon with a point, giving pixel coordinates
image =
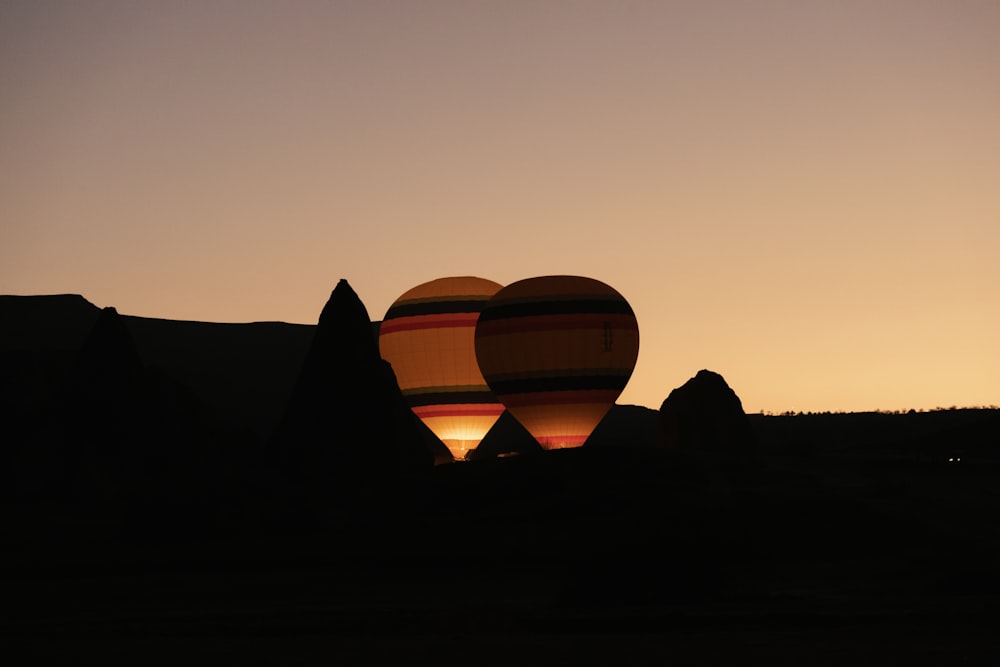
(448, 397)
(585, 397)
(571, 383)
(541, 323)
(502, 311)
(436, 307)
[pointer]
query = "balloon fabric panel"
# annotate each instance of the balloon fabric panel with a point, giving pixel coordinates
(428, 337)
(557, 351)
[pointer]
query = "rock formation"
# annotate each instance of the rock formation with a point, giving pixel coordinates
(346, 423)
(114, 445)
(138, 431)
(706, 415)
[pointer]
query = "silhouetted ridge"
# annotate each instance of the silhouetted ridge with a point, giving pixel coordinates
(705, 414)
(40, 323)
(346, 422)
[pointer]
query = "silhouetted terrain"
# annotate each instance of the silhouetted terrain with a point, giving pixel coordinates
(935, 436)
(243, 373)
(182, 491)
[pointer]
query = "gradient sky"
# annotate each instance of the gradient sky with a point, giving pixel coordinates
(802, 196)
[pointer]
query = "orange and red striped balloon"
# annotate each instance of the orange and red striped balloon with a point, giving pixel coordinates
(428, 337)
(557, 351)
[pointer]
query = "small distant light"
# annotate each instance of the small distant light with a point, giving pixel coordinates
(951, 460)
(959, 459)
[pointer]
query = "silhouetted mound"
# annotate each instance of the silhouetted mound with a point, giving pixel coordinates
(628, 426)
(110, 382)
(505, 438)
(346, 423)
(706, 415)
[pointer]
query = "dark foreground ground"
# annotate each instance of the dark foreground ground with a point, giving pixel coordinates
(144, 521)
(589, 557)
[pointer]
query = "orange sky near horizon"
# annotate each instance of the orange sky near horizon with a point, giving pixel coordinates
(802, 196)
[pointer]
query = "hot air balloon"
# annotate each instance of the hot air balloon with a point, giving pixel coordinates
(557, 351)
(428, 337)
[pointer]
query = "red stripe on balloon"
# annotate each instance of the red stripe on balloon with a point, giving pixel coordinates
(444, 321)
(472, 410)
(563, 440)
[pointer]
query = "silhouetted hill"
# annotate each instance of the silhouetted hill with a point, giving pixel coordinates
(243, 375)
(243, 372)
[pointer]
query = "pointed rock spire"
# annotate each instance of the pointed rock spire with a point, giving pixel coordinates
(346, 419)
(108, 361)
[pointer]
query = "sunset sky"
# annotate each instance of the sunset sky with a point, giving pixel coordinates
(802, 196)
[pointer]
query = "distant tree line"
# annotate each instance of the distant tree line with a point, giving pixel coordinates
(911, 411)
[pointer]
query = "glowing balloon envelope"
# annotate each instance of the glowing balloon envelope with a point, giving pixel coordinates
(428, 337)
(557, 351)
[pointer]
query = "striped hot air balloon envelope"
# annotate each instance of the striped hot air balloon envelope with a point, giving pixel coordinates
(557, 351)
(428, 335)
